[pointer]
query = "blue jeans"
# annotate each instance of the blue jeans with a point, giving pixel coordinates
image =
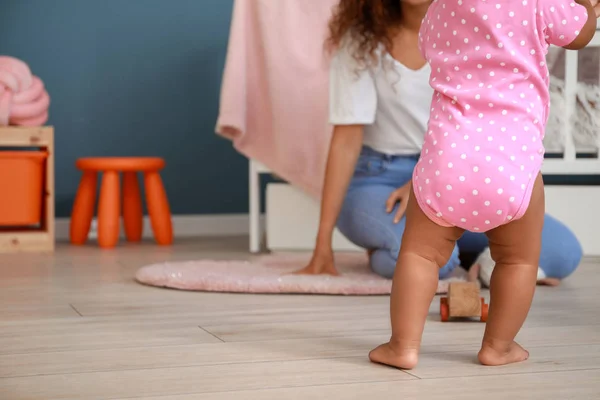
(365, 222)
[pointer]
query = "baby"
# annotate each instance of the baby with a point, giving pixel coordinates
(479, 169)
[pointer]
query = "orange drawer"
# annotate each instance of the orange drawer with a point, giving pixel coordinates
(21, 187)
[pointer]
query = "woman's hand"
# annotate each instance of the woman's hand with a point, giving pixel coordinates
(399, 195)
(595, 6)
(320, 263)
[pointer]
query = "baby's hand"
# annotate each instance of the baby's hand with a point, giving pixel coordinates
(594, 3)
(596, 6)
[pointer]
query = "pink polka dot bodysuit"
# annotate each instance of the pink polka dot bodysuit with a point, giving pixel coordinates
(483, 149)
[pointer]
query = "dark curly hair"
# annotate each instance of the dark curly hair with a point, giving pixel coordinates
(369, 24)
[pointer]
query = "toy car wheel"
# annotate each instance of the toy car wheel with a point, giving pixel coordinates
(484, 311)
(444, 312)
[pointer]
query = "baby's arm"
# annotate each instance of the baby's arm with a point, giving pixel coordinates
(589, 29)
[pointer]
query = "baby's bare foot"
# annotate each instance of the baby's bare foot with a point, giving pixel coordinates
(494, 355)
(394, 356)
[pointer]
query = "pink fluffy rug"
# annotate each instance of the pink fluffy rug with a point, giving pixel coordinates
(271, 274)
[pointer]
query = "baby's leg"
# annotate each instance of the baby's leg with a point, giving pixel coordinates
(515, 248)
(425, 248)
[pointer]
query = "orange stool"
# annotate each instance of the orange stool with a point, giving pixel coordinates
(109, 204)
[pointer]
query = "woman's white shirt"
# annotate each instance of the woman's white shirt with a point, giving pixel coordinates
(391, 100)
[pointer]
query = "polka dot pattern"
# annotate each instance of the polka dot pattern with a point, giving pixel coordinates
(483, 149)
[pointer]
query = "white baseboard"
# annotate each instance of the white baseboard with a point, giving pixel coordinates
(183, 226)
(292, 219)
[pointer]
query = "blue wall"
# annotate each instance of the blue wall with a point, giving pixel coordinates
(134, 77)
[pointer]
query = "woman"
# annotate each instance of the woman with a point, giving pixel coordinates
(379, 106)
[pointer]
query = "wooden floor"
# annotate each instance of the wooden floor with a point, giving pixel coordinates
(76, 326)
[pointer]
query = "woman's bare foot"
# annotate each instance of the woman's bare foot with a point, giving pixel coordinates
(473, 273)
(400, 358)
(494, 355)
(548, 282)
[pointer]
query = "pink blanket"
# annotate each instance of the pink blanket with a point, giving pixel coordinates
(23, 99)
(274, 95)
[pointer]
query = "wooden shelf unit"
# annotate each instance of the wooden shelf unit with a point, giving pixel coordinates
(40, 239)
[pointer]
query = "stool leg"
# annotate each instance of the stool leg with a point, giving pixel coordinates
(109, 210)
(158, 208)
(83, 208)
(132, 207)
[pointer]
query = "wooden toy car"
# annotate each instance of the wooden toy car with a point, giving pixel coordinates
(463, 301)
